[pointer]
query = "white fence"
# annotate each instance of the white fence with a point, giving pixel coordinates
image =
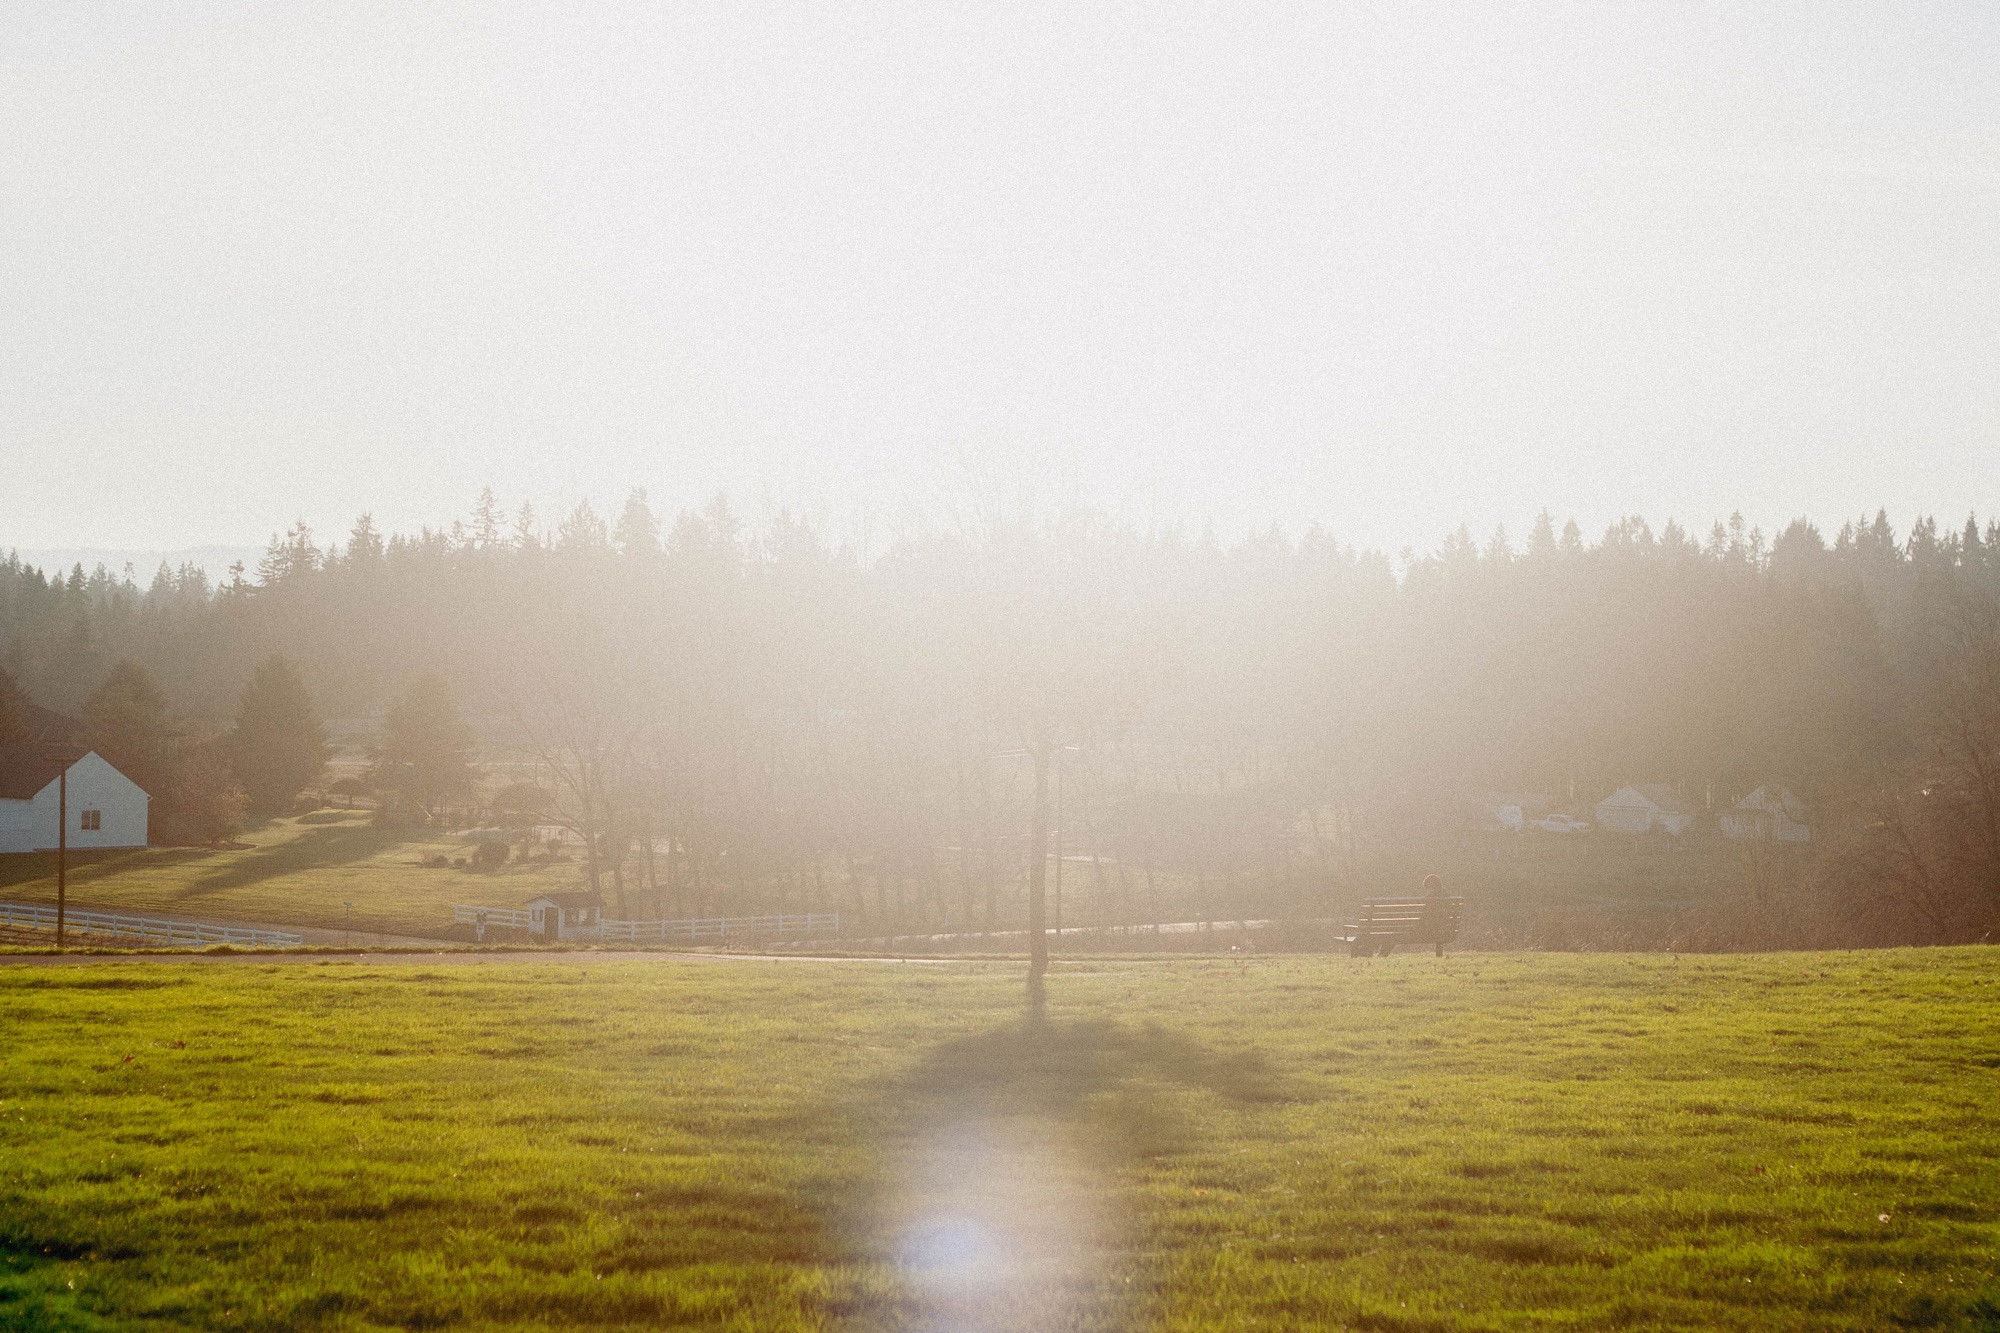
(519, 917)
(789, 926)
(792, 925)
(146, 929)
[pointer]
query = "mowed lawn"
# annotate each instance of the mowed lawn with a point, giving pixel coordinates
(295, 871)
(1792, 1141)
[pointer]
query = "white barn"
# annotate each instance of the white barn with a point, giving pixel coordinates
(106, 809)
(1768, 812)
(1643, 808)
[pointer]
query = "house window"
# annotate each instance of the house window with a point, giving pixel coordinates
(93, 820)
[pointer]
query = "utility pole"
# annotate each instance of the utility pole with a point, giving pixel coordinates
(1056, 835)
(1038, 870)
(62, 853)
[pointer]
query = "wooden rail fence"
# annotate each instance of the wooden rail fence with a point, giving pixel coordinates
(788, 925)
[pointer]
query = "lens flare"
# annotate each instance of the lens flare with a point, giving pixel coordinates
(1001, 1223)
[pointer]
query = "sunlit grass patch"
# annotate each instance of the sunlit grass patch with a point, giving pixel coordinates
(300, 871)
(1475, 1143)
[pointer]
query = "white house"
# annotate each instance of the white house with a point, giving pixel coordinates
(106, 808)
(1768, 812)
(1643, 808)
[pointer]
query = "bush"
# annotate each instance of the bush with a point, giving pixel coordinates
(489, 856)
(349, 790)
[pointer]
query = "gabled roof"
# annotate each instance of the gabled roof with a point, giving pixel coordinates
(26, 769)
(45, 726)
(581, 898)
(1660, 794)
(1657, 794)
(1773, 799)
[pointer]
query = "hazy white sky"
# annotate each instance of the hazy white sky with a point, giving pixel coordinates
(1389, 267)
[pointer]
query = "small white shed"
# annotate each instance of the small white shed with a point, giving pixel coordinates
(557, 914)
(107, 810)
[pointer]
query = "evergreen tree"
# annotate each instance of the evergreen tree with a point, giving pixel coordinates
(525, 538)
(486, 520)
(1542, 541)
(279, 745)
(582, 531)
(364, 543)
(425, 749)
(638, 531)
(289, 557)
(126, 719)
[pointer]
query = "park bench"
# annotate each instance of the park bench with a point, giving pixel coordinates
(1384, 922)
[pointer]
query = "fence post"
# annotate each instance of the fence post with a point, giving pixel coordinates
(62, 855)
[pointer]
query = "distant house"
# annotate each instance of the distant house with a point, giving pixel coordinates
(1511, 811)
(106, 808)
(1644, 808)
(1769, 812)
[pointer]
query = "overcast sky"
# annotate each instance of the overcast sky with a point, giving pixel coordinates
(1385, 267)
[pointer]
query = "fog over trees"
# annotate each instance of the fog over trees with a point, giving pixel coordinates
(737, 718)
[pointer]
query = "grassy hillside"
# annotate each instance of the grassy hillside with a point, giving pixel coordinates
(294, 871)
(1806, 1142)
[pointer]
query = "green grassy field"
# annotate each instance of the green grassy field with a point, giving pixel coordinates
(296, 871)
(1798, 1141)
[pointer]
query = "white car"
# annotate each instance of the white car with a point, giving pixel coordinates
(1562, 824)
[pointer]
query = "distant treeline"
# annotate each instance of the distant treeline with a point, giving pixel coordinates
(792, 722)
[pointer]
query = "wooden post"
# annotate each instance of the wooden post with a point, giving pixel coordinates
(62, 854)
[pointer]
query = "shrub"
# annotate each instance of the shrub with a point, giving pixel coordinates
(349, 789)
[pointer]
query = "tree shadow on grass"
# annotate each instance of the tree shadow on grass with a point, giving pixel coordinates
(316, 849)
(997, 1204)
(37, 871)
(1067, 1071)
